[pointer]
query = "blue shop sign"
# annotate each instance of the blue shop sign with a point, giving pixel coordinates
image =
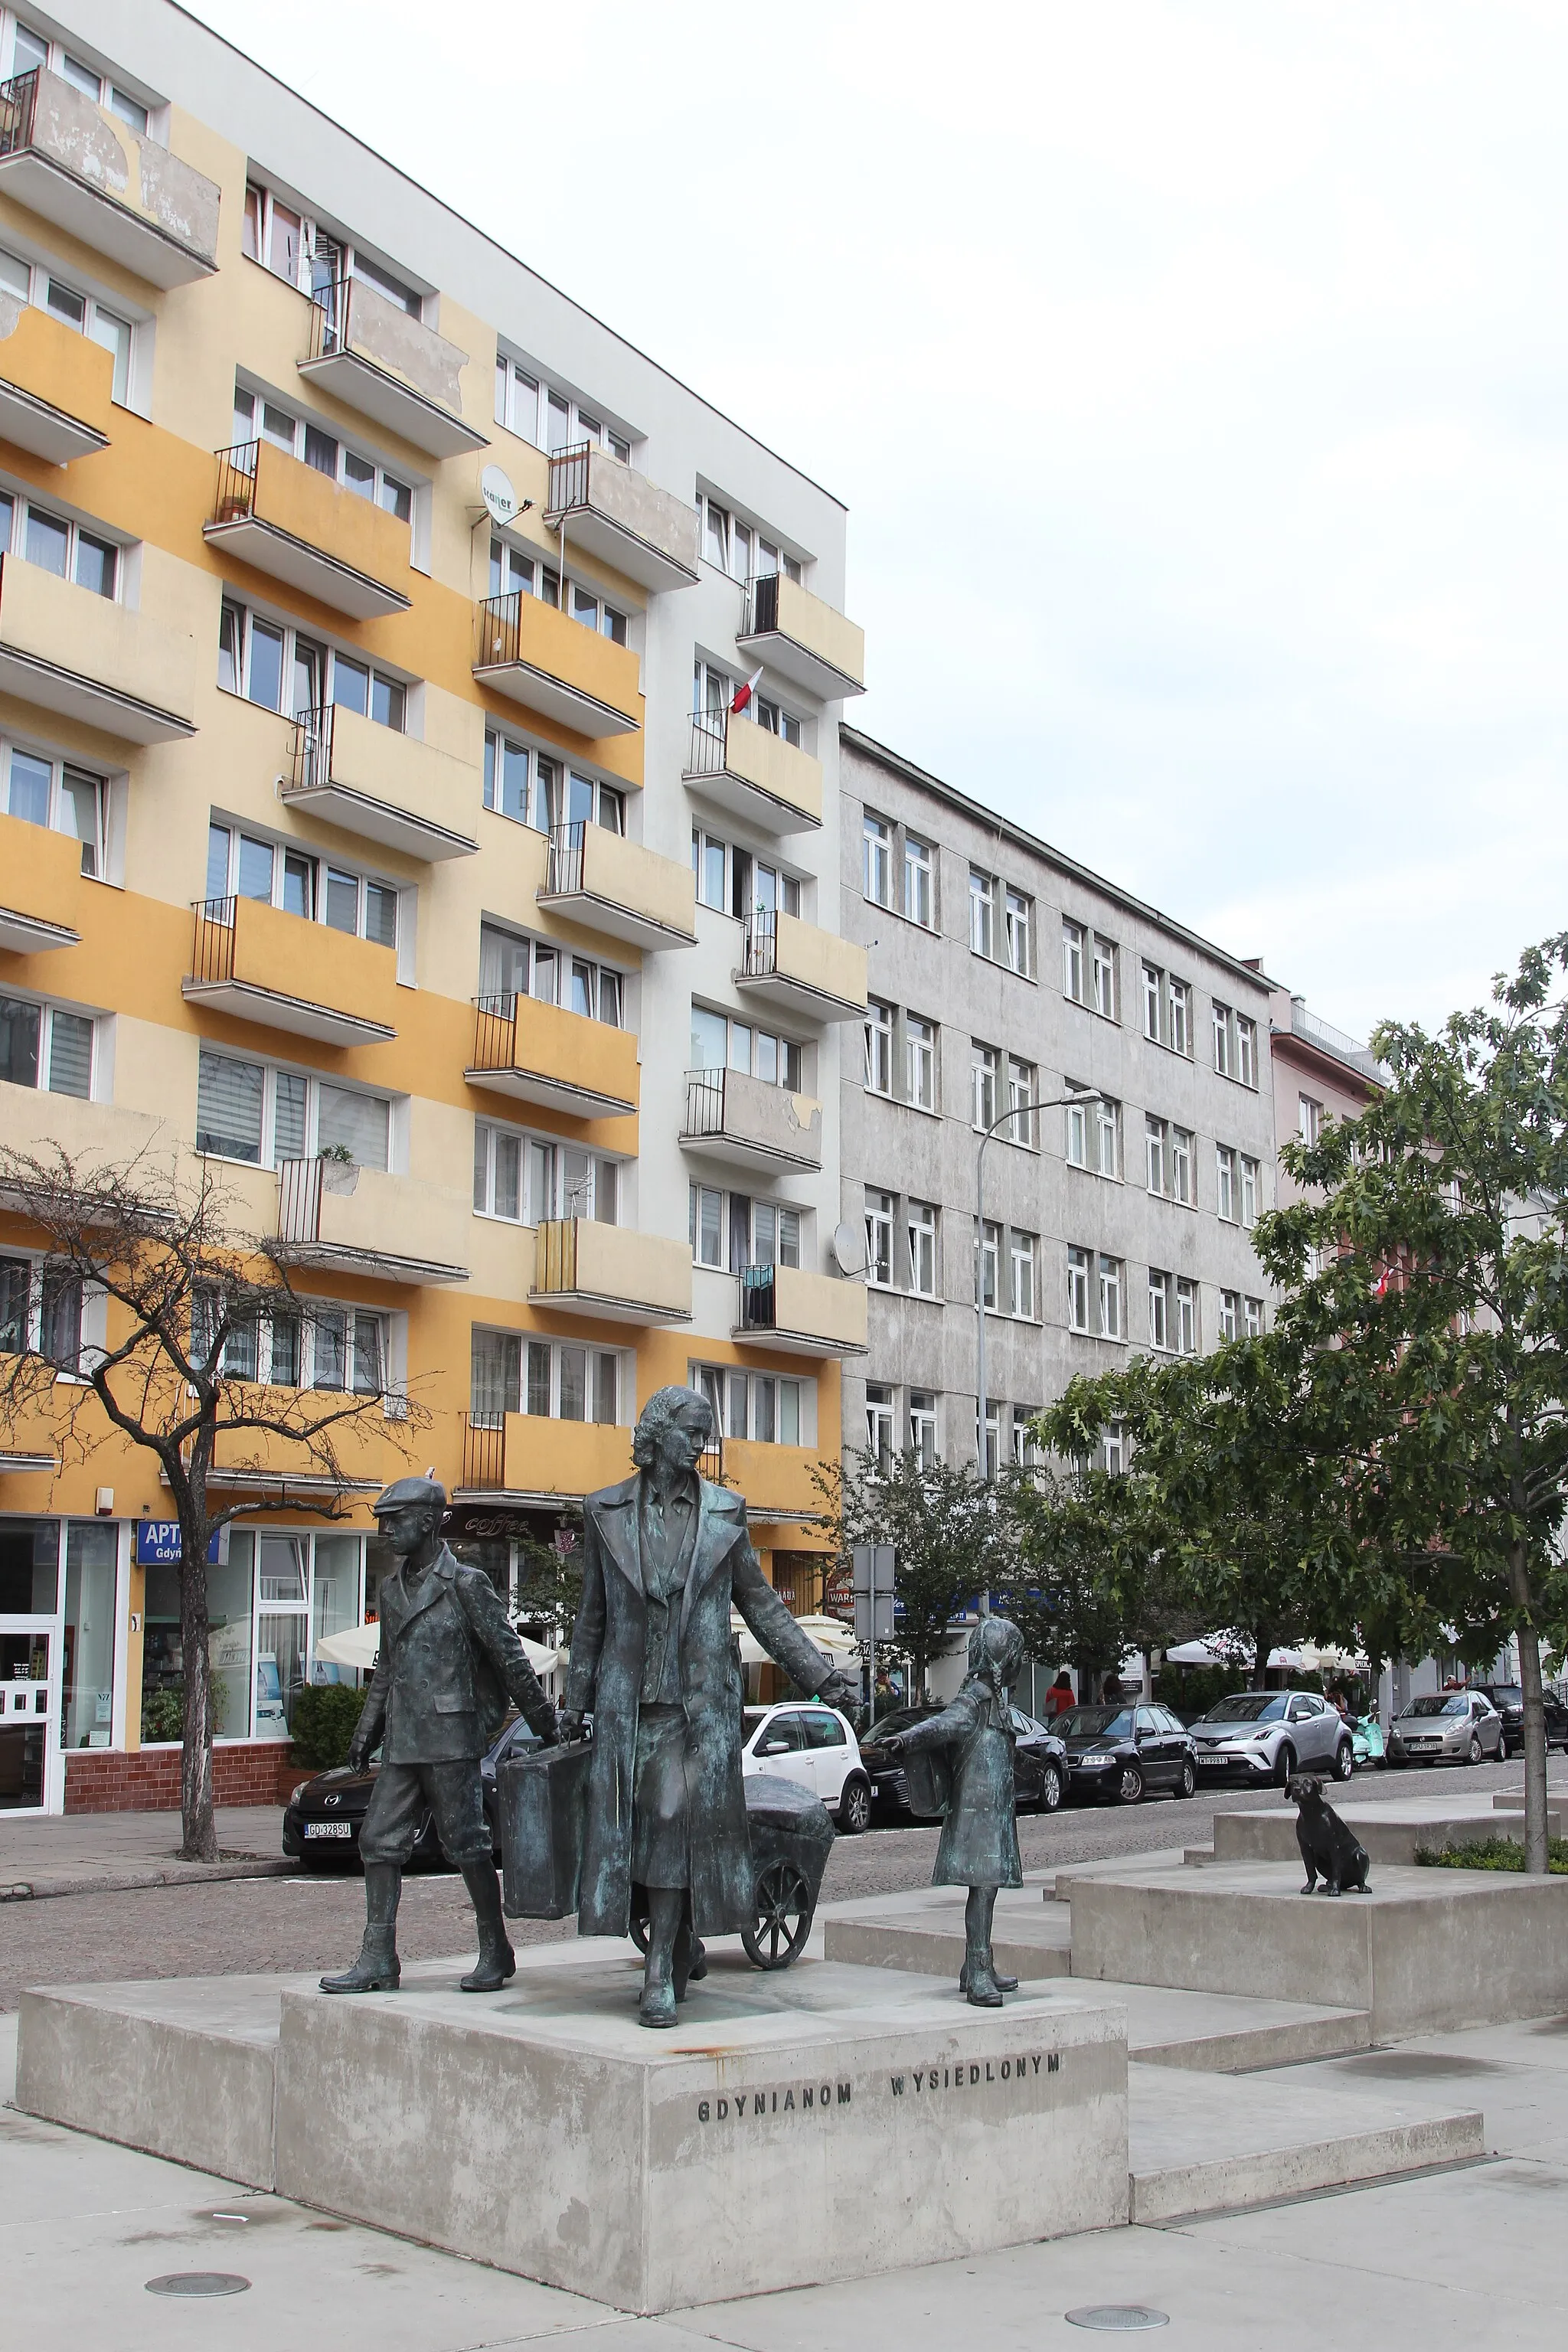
(158, 1544)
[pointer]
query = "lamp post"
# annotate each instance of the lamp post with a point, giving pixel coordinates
(1003, 1118)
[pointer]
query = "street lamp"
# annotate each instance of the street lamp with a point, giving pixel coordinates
(1003, 1118)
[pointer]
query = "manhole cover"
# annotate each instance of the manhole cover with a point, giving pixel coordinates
(1114, 2317)
(199, 2282)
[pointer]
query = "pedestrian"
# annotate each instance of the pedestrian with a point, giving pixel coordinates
(1060, 1698)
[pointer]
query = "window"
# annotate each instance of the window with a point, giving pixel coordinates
(920, 896)
(1023, 1093)
(1159, 1309)
(556, 1379)
(593, 613)
(1026, 1453)
(1019, 916)
(1224, 1041)
(31, 282)
(735, 882)
(1107, 1136)
(920, 1061)
(989, 1254)
(256, 1112)
(738, 548)
(529, 1179)
(982, 1060)
(548, 418)
(1072, 962)
(757, 1406)
(878, 1049)
(1077, 1116)
(1246, 1051)
(714, 697)
(1154, 1154)
(41, 1308)
(1179, 1017)
(879, 1238)
(991, 1452)
(283, 669)
(512, 965)
(258, 419)
(1225, 1182)
(1109, 1297)
(1079, 1264)
(719, 1042)
(1104, 978)
(42, 790)
(30, 49)
(1113, 1448)
(921, 1230)
(309, 255)
(1249, 1175)
(56, 544)
(879, 1423)
(1186, 1317)
(876, 836)
(732, 1229)
(44, 1047)
(1235, 1045)
(982, 913)
(247, 866)
(1229, 1314)
(1252, 1318)
(922, 1427)
(1181, 1167)
(1153, 993)
(1023, 1252)
(1309, 1118)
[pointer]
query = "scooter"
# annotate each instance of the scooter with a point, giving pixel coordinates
(1366, 1740)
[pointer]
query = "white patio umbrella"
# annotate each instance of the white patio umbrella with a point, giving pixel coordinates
(360, 1645)
(824, 1634)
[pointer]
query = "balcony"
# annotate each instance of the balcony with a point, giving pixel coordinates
(802, 970)
(376, 357)
(620, 517)
(384, 787)
(522, 1458)
(731, 1115)
(740, 767)
(257, 964)
(527, 650)
(363, 1220)
(776, 1480)
(541, 1054)
(610, 884)
(802, 639)
(283, 518)
(40, 887)
(68, 159)
(55, 386)
(65, 650)
(801, 1314)
(611, 1272)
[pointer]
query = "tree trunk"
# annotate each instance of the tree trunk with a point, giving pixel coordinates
(1534, 1752)
(198, 1826)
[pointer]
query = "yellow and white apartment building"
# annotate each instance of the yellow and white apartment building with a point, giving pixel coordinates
(374, 824)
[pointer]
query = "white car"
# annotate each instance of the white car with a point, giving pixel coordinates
(814, 1747)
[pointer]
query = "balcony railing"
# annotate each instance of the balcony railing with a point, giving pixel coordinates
(539, 655)
(484, 1452)
(211, 952)
(300, 1200)
(386, 363)
(567, 852)
(708, 732)
(495, 1031)
(18, 106)
(236, 497)
(760, 960)
(748, 770)
(311, 750)
(285, 516)
(759, 1295)
(66, 157)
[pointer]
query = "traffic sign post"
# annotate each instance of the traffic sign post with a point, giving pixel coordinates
(873, 1567)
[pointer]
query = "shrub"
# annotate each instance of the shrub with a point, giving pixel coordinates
(163, 1713)
(1490, 1853)
(321, 1722)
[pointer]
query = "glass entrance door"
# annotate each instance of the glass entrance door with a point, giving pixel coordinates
(29, 1713)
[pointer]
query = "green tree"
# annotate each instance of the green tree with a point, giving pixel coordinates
(948, 1530)
(1428, 1335)
(550, 1586)
(1081, 1582)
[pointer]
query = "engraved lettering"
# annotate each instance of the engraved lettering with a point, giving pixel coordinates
(702, 2111)
(989, 2076)
(723, 2109)
(1006, 2069)
(843, 2095)
(789, 2100)
(898, 2082)
(759, 2103)
(916, 2079)
(806, 2096)
(1036, 2065)
(974, 2073)
(1054, 2063)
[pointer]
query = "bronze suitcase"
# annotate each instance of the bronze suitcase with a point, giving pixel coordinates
(543, 1799)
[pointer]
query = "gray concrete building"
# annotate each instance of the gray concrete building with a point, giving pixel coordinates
(1000, 973)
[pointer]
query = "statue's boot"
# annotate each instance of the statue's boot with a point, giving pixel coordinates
(981, 1984)
(666, 1923)
(497, 1962)
(978, 1979)
(1001, 1983)
(376, 1969)
(690, 1961)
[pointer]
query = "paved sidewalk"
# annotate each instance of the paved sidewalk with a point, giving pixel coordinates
(78, 1854)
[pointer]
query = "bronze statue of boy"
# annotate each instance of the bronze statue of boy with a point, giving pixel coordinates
(979, 1843)
(449, 1661)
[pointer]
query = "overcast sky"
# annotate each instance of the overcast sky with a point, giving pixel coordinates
(1194, 375)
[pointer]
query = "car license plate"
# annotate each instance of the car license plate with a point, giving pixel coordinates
(1213, 1760)
(329, 1828)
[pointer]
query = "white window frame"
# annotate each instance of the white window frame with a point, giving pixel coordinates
(1159, 1310)
(1154, 984)
(984, 1084)
(14, 542)
(876, 859)
(1252, 1318)
(988, 1266)
(981, 913)
(1246, 1051)
(1250, 1177)
(1018, 923)
(606, 983)
(879, 1047)
(920, 881)
(880, 1211)
(1023, 1252)
(1112, 1287)
(1106, 990)
(920, 1230)
(116, 98)
(272, 1073)
(48, 1013)
(735, 1394)
(1224, 1040)
(880, 1413)
(63, 808)
(1183, 1147)
(1309, 1118)
(1080, 1269)
(1108, 1139)
(43, 288)
(1225, 1183)
(922, 1427)
(1186, 1328)
(1229, 1315)
(1154, 1156)
(920, 1061)
(258, 418)
(1179, 1015)
(546, 1161)
(324, 872)
(1072, 962)
(388, 696)
(1023, 1089)
(1075, 1116)
(526, 403)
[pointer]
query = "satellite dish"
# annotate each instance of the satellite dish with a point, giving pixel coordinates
(500, 500)
(848, 1250)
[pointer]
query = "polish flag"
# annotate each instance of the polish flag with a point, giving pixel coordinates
(744, 693)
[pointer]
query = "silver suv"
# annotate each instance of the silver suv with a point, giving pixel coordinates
(1269, 1735)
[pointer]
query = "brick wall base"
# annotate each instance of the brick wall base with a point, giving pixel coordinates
(249, 1772)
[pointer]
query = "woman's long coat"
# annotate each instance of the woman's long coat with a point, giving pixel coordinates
(979, 1841)
(605, 1680)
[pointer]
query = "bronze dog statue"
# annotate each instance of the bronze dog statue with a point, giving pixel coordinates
(1328, 1847)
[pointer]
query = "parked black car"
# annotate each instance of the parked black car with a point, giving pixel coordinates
(1117, 1753)
(1041, 1765)
(1508, 1700)
(323, 1817)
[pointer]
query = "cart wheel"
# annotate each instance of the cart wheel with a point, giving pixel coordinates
(784, 1907)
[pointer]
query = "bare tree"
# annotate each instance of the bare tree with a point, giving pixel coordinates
(149, 1251)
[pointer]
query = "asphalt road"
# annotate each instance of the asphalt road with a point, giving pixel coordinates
(238, 1926)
